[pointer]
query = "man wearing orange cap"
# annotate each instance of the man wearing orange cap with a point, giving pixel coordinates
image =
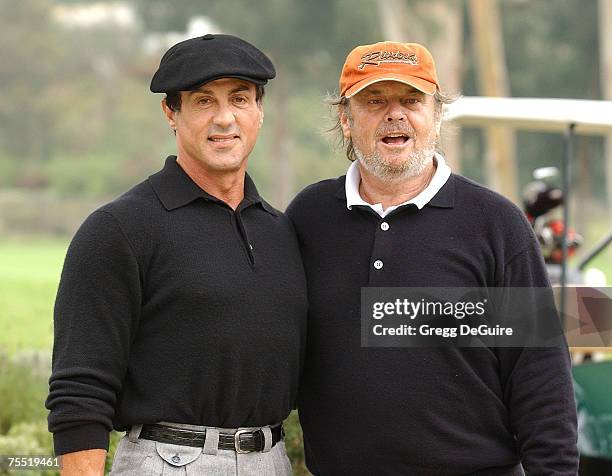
(401, 218)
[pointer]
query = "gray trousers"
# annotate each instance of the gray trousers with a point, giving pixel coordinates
(136, 456)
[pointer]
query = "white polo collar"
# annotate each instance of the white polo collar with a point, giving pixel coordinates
(353, 179)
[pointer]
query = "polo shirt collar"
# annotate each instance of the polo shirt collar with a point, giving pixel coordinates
(175, 189)
(438, 193)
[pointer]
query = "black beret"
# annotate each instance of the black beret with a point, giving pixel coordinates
(196, 61)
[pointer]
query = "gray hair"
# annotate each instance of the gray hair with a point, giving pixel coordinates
(340, 104)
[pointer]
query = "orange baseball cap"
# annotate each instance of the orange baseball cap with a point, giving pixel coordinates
(408, 63)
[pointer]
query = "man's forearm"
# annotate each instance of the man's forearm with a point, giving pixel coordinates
(83, 463)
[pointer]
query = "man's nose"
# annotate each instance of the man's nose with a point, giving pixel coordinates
(395, 112)
(224, 116)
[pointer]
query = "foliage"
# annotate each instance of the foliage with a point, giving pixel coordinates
(70, 94)
(31, 438)
(27, 107)
(308, 40)
(81, 111)
(295, 444)
(23, 423)
(113, 443)
(22, 393)
(550, 52)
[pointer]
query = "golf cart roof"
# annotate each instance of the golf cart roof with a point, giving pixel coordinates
(534, 114)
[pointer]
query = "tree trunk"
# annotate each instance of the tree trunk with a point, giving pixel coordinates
(282, 168)
(392, 19)
(605, 52)
(489, 55)
(438, 25)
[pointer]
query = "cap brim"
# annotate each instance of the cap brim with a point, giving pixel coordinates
(418, 83)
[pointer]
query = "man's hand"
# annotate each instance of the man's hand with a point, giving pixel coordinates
(83, 463)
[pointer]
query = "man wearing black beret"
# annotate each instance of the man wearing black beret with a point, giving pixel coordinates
(180, 316)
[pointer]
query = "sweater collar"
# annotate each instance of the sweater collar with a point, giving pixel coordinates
(175, 189)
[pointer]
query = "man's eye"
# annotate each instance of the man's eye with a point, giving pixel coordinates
(204, 101)
(375, 101)
(240, 100)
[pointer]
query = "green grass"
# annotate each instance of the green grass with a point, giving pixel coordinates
(597, 231)
(29, 275)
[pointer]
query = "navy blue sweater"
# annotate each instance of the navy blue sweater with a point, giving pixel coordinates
(424, 411)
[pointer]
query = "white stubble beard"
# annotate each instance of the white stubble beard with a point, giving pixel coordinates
(416, 163)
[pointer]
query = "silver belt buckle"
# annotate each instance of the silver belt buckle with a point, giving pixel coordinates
(237, 441)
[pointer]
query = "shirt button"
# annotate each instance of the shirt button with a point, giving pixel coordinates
(378, 264)
(176, 459)
(384, 226)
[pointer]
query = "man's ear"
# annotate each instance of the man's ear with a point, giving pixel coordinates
(261, 115)
(345, 123)
(169, 113)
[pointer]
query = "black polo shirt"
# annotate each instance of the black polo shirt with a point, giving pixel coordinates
(174, 307)
(444, 411)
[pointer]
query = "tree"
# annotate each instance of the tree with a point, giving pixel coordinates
(438, 24)
(31, 56)
(491, 70)
(307, 42)
(605, 35)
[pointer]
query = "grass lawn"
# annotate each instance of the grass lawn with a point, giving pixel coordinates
(29, 275)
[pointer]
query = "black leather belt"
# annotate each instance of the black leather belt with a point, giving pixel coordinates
(243, 441)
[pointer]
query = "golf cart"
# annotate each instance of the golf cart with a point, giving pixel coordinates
(592, 380)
